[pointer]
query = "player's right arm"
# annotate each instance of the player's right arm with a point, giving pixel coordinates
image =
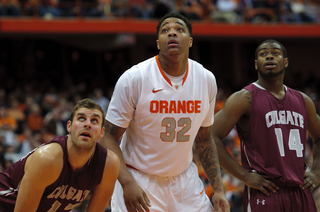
(237, 106)
(134, 196)
(42, 169)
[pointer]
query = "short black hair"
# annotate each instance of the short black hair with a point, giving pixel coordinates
(89, 104)
(283, 49)
(175, 15)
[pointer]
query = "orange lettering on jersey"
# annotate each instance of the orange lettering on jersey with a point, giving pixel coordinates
(172, 106)
(190, 106)
(182, 107)
(154, 106)
(163, 106)
(197, 106)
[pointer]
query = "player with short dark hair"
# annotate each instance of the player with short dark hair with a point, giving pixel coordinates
(161, 107)
(272, 121)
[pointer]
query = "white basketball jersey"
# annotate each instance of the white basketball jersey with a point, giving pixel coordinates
(162, 121)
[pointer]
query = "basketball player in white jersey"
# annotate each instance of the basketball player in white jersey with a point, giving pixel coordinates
(159, 108)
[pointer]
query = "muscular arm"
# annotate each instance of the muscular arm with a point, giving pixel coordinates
(236, 110)
(42, 169)
(207, 153)
(103, 192)
(312, 178)
(110, 140)
(134, 196)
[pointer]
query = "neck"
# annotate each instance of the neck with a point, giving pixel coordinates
(77, 157)
(173, 65)
(275, 87)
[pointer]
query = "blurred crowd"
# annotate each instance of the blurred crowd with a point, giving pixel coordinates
(226, 11)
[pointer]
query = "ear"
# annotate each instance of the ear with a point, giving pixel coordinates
(286, 62)
(256, 64)
(190, 42)
(69, 126)
(102, 132)
(158, 44)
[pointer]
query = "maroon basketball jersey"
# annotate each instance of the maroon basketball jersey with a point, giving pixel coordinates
(275, 142)
(64, 194)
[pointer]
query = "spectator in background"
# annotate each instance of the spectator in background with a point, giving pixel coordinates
(54, 122)
(3, 97)
(89, 8)
(9, 8)
(35, 119)
(16, 112)
(98, 97)
(49, 9)
(196, 9)
(2, 152)
(259, 11)
(225, 11)
(8, 125)
(160, 9)
(301, 11)
(29, 142)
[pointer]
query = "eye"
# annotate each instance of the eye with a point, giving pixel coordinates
(276, 53)
(96, 121)
(180, 30)
(81, 118)
(164, 30)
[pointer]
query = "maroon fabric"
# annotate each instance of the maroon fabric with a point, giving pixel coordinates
(69, 189)
(275, 145)
(261, 148)
(286, 199)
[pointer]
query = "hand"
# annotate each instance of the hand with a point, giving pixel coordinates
(260, 182)
(311, 180)
(135, 198)
(220, 202)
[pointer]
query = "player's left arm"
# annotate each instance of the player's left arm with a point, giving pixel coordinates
(312, 178)
(102, 193)
(208, 156)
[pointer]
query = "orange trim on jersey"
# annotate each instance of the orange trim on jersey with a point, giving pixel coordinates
(165, 76)
(185, 76)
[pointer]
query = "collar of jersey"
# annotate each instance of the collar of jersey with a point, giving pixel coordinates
(165, 76)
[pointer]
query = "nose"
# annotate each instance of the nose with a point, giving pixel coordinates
(172, 33)
(87, 124)
(269, 56)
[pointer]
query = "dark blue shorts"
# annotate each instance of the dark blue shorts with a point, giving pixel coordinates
(286, 199)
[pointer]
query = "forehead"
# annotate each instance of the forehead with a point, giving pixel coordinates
(270, 46)
(88, 112)
(173, 20)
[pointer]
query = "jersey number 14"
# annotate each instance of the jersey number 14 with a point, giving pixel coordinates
(294, 142)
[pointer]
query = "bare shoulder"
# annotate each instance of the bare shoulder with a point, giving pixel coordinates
(111, 167)
(112, 161)
(242, 96)
(47, 157)
(239, 101)
(306, 98)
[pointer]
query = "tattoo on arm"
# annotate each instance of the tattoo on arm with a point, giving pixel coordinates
(208, 156)
(113, 129)
(248, 97)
